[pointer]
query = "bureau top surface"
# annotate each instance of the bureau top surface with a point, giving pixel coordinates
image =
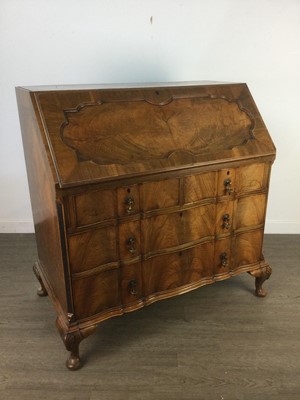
(103, 132)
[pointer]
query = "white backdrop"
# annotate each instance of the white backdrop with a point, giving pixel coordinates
(109, 41)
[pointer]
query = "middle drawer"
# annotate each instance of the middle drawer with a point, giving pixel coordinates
(88, 250)
(177, 228)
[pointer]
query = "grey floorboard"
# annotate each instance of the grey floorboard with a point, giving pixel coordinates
(218, 342)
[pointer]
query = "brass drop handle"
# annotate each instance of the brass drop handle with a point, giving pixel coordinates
(224, 259)
(132, 287)
(129, 203)
(228, 188)
(131, 245)
(226, 221)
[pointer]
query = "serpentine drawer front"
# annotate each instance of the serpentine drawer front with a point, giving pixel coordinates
(142, 193)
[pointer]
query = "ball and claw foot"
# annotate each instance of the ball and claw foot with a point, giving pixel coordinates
(42, 292)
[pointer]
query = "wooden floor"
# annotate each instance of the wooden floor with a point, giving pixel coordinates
(218, 342)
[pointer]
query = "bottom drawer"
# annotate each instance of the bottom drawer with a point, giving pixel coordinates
(248, 247)
(223, 257)
(232, 253)
(170, 271)
(96, 293)
(125, 285)
(114, 287)
(131, 283)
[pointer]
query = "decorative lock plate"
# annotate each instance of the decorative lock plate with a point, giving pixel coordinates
(228, 187)
(224, 259)
(129, 204)
(130, 243)
(226, 221)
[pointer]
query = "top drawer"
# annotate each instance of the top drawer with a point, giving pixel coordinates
(160, 194)
(98, 206)
(102, 205)
(93, 207)
(242, 180)
(253, 177)
(225, 183)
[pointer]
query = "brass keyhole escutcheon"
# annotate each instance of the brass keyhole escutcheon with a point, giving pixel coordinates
(228, 187)
(129, 203)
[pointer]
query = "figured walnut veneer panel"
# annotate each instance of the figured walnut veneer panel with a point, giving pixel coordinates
(95, 135)
(127, 132)
(251, 177)
(160, 194)
(250, 211)
(92, 248)
(199, 187)
(248, 248)
(168, 272)
(97, 293)
(93, 207)
(178, 228)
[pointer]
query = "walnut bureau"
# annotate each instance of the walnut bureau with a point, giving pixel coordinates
(142, 192)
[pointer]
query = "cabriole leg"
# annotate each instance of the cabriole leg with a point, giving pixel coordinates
(72, 341)
(41, 290)
(261, 275)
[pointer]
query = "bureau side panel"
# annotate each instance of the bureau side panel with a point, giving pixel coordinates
(41, 180)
